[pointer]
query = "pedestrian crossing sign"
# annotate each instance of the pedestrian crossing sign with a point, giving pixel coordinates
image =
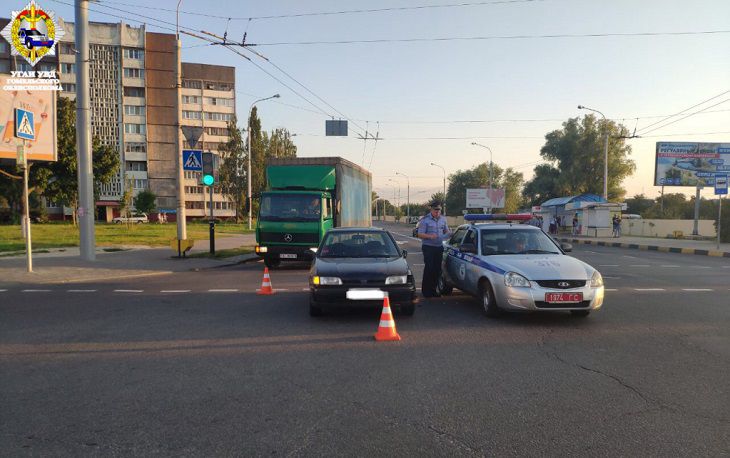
(24, 127)
(193, 160)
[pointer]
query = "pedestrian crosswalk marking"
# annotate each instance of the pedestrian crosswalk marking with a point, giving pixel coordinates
(193, 163)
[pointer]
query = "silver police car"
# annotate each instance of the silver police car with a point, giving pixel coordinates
(517, 267)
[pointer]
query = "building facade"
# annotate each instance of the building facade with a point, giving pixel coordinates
(134, 108)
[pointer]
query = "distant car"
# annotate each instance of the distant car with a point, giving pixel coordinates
(32, 38)
(415, 227)
(520, 268)
(136, 219)
(360, 260)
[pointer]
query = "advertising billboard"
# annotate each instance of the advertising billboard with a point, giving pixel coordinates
(42, 103)
(690, 163)
(485, 198)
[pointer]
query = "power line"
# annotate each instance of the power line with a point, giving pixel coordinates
(491, 37)
(685, 117)
(686, 109)
(331, 13)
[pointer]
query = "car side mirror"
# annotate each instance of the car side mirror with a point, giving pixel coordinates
(405, 253)
(468, 248)
(567, 247)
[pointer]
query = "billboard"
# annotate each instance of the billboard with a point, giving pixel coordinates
(42, 103)
(485, 198)
(690, 163)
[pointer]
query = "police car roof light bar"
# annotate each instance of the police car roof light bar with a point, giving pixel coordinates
(498, 217)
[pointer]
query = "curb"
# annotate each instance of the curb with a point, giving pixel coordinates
(663, 249)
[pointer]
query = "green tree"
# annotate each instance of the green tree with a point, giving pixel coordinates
(232, 171)
(576, 161)
(280, 144)
(259, 140)
(144, 202)
(639, 204)
(126, 200)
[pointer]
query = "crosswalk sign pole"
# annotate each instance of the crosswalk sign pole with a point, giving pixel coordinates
(22, 161)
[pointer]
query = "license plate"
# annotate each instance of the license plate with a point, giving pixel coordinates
(563, 298)
(288, 256)
(360, 294)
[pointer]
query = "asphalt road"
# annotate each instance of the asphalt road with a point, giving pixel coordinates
(198, 364)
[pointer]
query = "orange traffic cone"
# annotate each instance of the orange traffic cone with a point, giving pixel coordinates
(386, 329)
(265, 284)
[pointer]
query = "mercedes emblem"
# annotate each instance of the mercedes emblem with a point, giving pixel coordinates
(288, 237)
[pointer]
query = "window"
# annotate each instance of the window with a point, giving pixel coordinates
(134, 92)
(221, 131)
(192, 175)
(139, 183)
(191, 99)
(47, 67)
(4, 66)
(191, 115)
(218, 86)
(136, 166)
(133, 72)
(456, 238)
(134, 110)
(68, 87)
(68, 68)
(133, 53)
(218, 116)
(135, 129)
(135, 147)
(219, 101)
(192, 84)
(4, 47)
(24, 67)
(66, 48)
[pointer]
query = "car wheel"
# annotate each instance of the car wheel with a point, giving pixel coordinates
(407, 310)
(314, 309)
(117, 222)
(29, 44)
(272, 263)
(489, 302)
(580, 313)
(444, 288)
(139, 222)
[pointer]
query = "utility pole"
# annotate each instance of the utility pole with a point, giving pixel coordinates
(695, 227)
(86, 211)
(182, 233)
(408, 198)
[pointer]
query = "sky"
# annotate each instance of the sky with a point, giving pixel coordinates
(417, 95)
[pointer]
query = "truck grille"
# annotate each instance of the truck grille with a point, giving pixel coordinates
(555, 284)
(296, 237)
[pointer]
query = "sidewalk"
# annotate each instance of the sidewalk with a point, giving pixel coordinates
(684, 246)
(66, 266)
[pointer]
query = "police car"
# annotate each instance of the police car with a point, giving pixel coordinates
(512, 266)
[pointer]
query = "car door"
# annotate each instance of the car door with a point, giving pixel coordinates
(468, 271)
(450, 268)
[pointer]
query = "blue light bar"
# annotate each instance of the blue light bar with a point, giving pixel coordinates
(498, 217)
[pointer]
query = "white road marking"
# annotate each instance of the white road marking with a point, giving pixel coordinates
(128, 290)
(610, 289)
(175, 291)
(649, 289)
(726, 267)
(612, 278)
(627, 256)
(305, 289)
(81, 291)
(697, 289)
(36, 291)
(639, 265)
(607, 265)
(3, 290)
(669, 266)
(701, 267)
(222, 290)
(593, 252)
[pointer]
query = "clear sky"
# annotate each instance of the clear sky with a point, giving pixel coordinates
(418, 91)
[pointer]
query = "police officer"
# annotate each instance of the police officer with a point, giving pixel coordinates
(432, 229)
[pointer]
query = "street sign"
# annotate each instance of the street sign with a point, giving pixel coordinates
(193, 160)
(720, 185)
(192, 134)
(335, 127)
(24, 127)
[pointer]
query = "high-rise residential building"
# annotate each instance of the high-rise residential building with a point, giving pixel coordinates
(134, 108)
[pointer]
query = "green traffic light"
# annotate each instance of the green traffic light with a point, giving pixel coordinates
(208, 180)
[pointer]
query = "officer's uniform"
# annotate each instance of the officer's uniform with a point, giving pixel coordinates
(432, 251)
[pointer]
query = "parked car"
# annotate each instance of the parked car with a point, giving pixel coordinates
(360, 260)
(136, 219)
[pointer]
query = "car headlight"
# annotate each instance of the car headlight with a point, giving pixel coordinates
(326, 281)
(396, 280)
(516, 280)
(596, 280)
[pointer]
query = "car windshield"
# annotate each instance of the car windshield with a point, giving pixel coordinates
(290, 207)
(358, 244)
(516, 241)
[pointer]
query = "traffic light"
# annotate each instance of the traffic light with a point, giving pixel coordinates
(208, 169)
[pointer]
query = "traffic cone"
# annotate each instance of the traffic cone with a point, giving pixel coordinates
(265, 284)
(386, 329)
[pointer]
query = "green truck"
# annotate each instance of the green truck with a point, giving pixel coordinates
(305, 197)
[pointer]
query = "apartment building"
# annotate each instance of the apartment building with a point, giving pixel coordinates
(133, 98)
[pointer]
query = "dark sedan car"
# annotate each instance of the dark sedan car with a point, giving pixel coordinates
(362, 262)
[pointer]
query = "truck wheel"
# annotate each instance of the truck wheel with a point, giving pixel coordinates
(272, 263)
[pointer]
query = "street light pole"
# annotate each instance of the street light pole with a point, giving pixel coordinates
(491, 171)
(443, 204)
(180, 191)
(248, 173)
(605, 151)
(408, 196)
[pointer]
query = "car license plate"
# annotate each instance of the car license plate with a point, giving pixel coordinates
(361, 294)
(563, 298)
(288, 256)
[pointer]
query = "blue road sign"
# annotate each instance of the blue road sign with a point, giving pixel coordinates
(193, 160)
(24, 126)
(720, 185)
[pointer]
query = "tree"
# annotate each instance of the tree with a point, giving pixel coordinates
(258, 155)
(145, 202)
(232, 171)
(125, 201)
(280, 144)
(576, 156)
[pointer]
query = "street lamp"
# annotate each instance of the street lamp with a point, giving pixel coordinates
(605, 151)
(248, 176)
(394, 199)
(443, 204)
(408, 196)
(491, 171)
